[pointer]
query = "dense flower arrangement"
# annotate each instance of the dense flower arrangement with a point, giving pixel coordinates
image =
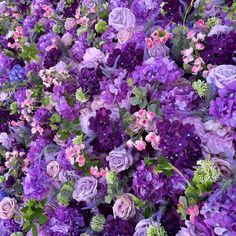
(117, 118)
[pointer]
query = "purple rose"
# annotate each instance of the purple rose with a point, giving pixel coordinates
(124, 207)
(119, 159)
(223, 76)
(141, 227)
(121, 18)
(85, 189)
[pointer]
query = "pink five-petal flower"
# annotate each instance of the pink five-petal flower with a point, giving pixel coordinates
(150, 137)
(193, 211)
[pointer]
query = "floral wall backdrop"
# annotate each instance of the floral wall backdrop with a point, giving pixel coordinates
(117, 118)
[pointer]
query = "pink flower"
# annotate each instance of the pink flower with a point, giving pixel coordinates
(141, 113)
(67, 39)
(140, 145)
(102, 172)
(199, 46)
(94, 171)
(201, 36)
(130, 143)
(81, 160)
(150, 115)
(190, 34)
(193, 211)
(53, 169)
(187, 52)
(150, 137)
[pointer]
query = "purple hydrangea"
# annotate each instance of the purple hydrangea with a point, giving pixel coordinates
(224, 108)
(163, 70)
(7, 227)
(109, 132)
(63, 221)
(179, 143)
(219, 49)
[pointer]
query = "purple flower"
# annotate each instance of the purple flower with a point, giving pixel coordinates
(163, 70)
(85, 189)
(119, 159)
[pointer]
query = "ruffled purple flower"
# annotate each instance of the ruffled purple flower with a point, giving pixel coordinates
(179, 143)
(224, 108)
(63, 221)
(219, 49)
(7, 227)
(149, 186)
(163, 70)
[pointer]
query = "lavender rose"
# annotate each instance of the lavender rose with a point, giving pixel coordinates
(124, 207)
(85, 189)
(119, 159)
(121, 18)
(53, 169)
(7, 208)
(223, 76)
(141, 227)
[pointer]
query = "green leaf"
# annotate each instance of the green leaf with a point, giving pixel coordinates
(149, 162)
(26, 225)
(13, 108)
(34, 230)
(164, 167)
(147, 212)
(29, 52)
(135, 101)
(42, 219)
(80, 96)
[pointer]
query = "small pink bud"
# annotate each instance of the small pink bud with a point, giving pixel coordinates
(130, 143)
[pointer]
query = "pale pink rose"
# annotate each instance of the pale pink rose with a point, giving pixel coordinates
(124, 207)
(223, 165)
(53, 169)
(124, 35)
(70, 23)
(67, 39)
(130, 143)
(140, 145)
(7, 208)
(121, 18)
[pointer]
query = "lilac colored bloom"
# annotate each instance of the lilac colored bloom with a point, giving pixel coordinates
(223, 108)
(63, 221)
(7, 227)
(223, 77)
(119, 159)
(163, 70)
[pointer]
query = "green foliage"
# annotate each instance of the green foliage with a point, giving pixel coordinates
(180, 42)
(33, 213)
(101, 26)
(67, 128)
(231, 11)
(112, 186)
(65, 195)
(164, 167)
(213, 21)
(29, 52)
(127, 119)
(13, 108)
(140, 97)
(80, 96)
(39, 28)
(201, 88)
(204, 177)
(154, 230)
(97, 223)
